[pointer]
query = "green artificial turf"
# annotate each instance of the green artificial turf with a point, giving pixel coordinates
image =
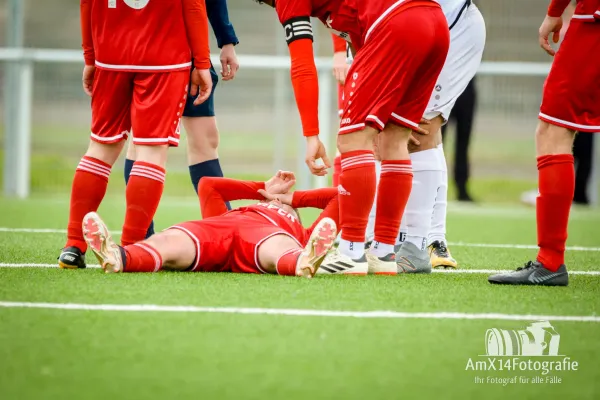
(102, 354)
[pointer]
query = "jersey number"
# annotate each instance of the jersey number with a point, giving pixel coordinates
(135, 4)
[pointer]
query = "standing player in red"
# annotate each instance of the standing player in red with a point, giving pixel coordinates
(137, 61)
(378, 98)
(570, 103)
(267, 237)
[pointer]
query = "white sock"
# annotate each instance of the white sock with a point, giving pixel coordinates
(438, 218)
(419, 241)
(354, 250)
(371, 224)
(379, 249)
(427, 177)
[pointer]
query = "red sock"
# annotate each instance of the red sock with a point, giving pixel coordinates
(395, 185)
(337, 170)
(141, 257)
(356, 193)
(144, 189)
(287, 262)
(556, 176)
(87, 192)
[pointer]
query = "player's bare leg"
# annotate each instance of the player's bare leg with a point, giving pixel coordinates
(556, 182)
(392, 195)
(202, 152)
(143, 191)
(88, 190)
(280, 254)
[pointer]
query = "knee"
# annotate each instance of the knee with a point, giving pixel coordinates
(152, 154)
(107, 153)
(361, 140)
(552, 139)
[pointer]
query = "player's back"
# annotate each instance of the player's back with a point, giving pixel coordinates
(134, 35)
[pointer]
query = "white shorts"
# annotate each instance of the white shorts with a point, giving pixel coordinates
(467, 40)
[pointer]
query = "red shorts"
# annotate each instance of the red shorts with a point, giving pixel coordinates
(394, 73)
(230, 242)
(147, 104)
(571, 96)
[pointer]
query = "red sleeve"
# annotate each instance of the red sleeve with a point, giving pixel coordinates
(557, 7)
(316, 198)
(214, 192)
(305, 81)
(325, 199)
(196, 24)
(85, 9)
(339, 44)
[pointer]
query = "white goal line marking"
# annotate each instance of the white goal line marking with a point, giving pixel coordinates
(458, 244)
(437, 271)
(299, 312)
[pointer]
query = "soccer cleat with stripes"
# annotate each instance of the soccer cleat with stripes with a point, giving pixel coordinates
(99, 240)
(532, 273)
(382, 265)
(337, 263)
(71, 258)
(320, 242)
(412, 260)
(440, 256)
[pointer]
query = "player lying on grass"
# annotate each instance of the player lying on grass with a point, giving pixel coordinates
(266, 237)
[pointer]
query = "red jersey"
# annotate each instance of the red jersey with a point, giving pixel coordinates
(214, 192)
(144, 35)
(586, 10)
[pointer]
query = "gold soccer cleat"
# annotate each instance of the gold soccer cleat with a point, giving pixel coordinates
(440, 255)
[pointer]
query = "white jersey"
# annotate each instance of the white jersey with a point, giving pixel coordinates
(451, 8)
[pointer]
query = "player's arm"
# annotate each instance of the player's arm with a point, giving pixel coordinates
(552, 25)
(215, 192)
(325, 199)
(85, 8)
(196, 25)
(557, 7)
(218, 16)
(340, 67)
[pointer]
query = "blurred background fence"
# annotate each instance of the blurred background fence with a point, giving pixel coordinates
(260, 128)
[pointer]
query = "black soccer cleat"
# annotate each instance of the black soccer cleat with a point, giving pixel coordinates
(71, 258)
(532, 273)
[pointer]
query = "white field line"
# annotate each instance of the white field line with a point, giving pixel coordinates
(436, 271)
(299, 312)
(457, 244)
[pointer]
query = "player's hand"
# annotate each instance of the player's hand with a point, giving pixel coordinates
(550, 26)
(200, 85)
(315, 150)
(88, 79)
(340, 67)
(229, 62)
(283, 198)
(282, 182)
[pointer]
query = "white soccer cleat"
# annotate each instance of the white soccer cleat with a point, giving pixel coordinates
(320, 242)
(99, 240)
(382, 265)
(337, 263)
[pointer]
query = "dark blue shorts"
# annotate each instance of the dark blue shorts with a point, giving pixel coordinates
(206, 109)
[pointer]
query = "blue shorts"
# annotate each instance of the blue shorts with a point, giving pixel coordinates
(206, 109)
